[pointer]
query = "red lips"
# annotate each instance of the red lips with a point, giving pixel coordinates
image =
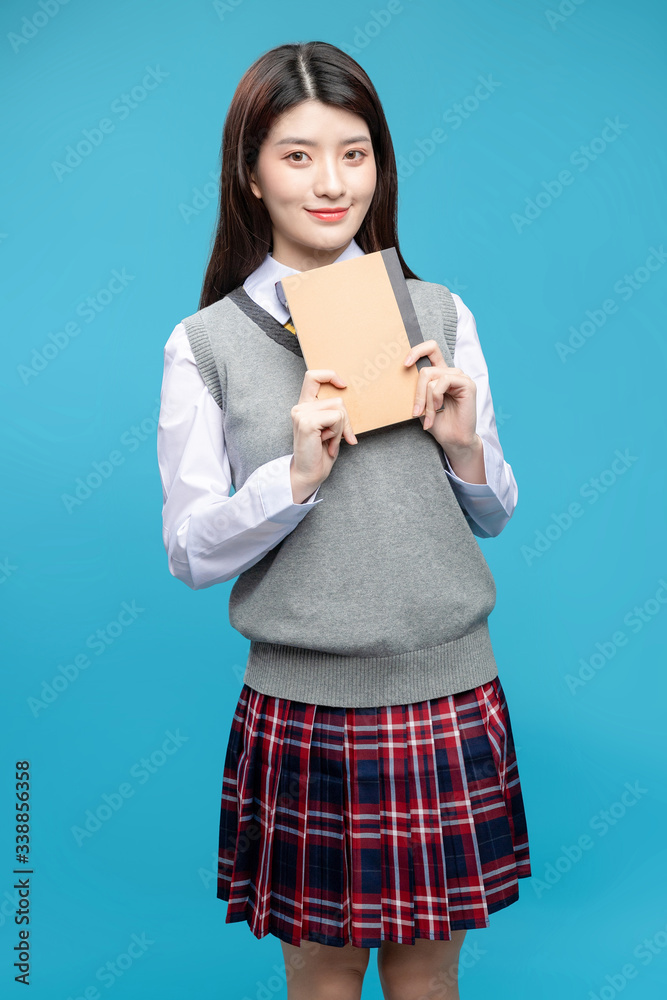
(328, 214)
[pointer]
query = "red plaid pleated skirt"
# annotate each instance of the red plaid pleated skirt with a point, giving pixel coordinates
(358, 825)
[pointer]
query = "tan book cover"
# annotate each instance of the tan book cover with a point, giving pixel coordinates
(356, 316)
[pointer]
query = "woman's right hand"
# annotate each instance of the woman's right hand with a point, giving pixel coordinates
(318, 425)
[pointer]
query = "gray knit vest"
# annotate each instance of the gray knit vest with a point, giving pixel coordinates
(381, 594)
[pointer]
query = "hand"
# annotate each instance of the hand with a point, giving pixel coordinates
(446, 397)
(318, 426)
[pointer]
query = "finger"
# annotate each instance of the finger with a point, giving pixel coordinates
(320, 404)
(329, 423)
(430, 408)
(348, 433)
(435, 398)
(314, 378)
(329, 433)
(323, 408)
(427, 349)
(426, 376)
(332, 435)
(451, 381)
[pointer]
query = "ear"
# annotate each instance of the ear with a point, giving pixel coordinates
(255, 186)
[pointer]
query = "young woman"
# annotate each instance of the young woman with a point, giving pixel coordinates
(371, 796)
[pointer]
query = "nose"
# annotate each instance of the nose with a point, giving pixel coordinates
(329, 181)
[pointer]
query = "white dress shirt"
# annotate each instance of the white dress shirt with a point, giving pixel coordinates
(196, 476)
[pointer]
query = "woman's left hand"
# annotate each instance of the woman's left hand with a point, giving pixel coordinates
(450, 388)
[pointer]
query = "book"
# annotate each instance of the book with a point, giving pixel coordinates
(356, 316)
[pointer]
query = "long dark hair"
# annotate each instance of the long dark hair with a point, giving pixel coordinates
(278, 80)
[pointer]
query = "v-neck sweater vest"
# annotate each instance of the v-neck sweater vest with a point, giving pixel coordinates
(381, 594)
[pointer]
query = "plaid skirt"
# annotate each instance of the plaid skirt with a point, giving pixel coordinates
(358, 825)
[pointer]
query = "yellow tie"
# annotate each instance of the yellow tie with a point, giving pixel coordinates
(288, 326)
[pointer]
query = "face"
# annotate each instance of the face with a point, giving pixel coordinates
(315, 157)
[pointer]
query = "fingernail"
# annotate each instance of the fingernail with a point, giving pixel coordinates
(415, 410)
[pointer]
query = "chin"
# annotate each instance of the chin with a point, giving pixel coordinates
(330, 241)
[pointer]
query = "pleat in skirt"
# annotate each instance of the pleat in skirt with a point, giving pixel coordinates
(358, 825)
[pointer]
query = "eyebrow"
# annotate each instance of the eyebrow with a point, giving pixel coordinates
(309, 142)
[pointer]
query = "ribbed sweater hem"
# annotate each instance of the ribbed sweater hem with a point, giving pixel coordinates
(322, 678)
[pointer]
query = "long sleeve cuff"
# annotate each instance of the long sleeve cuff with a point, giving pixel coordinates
(275, 491)
(488, 505)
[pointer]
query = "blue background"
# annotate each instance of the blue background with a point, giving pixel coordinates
(564, 591)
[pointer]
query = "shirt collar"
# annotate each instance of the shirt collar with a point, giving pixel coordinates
(263, 285)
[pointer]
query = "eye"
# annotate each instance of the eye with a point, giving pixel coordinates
(301, 153)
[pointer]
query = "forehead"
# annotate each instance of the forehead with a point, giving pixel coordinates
(313, 119)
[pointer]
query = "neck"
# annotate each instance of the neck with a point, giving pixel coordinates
(305, 258)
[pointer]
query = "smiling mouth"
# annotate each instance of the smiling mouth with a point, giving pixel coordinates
(329, 215)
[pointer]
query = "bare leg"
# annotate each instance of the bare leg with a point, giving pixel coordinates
(323, 972)
(425, 970)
